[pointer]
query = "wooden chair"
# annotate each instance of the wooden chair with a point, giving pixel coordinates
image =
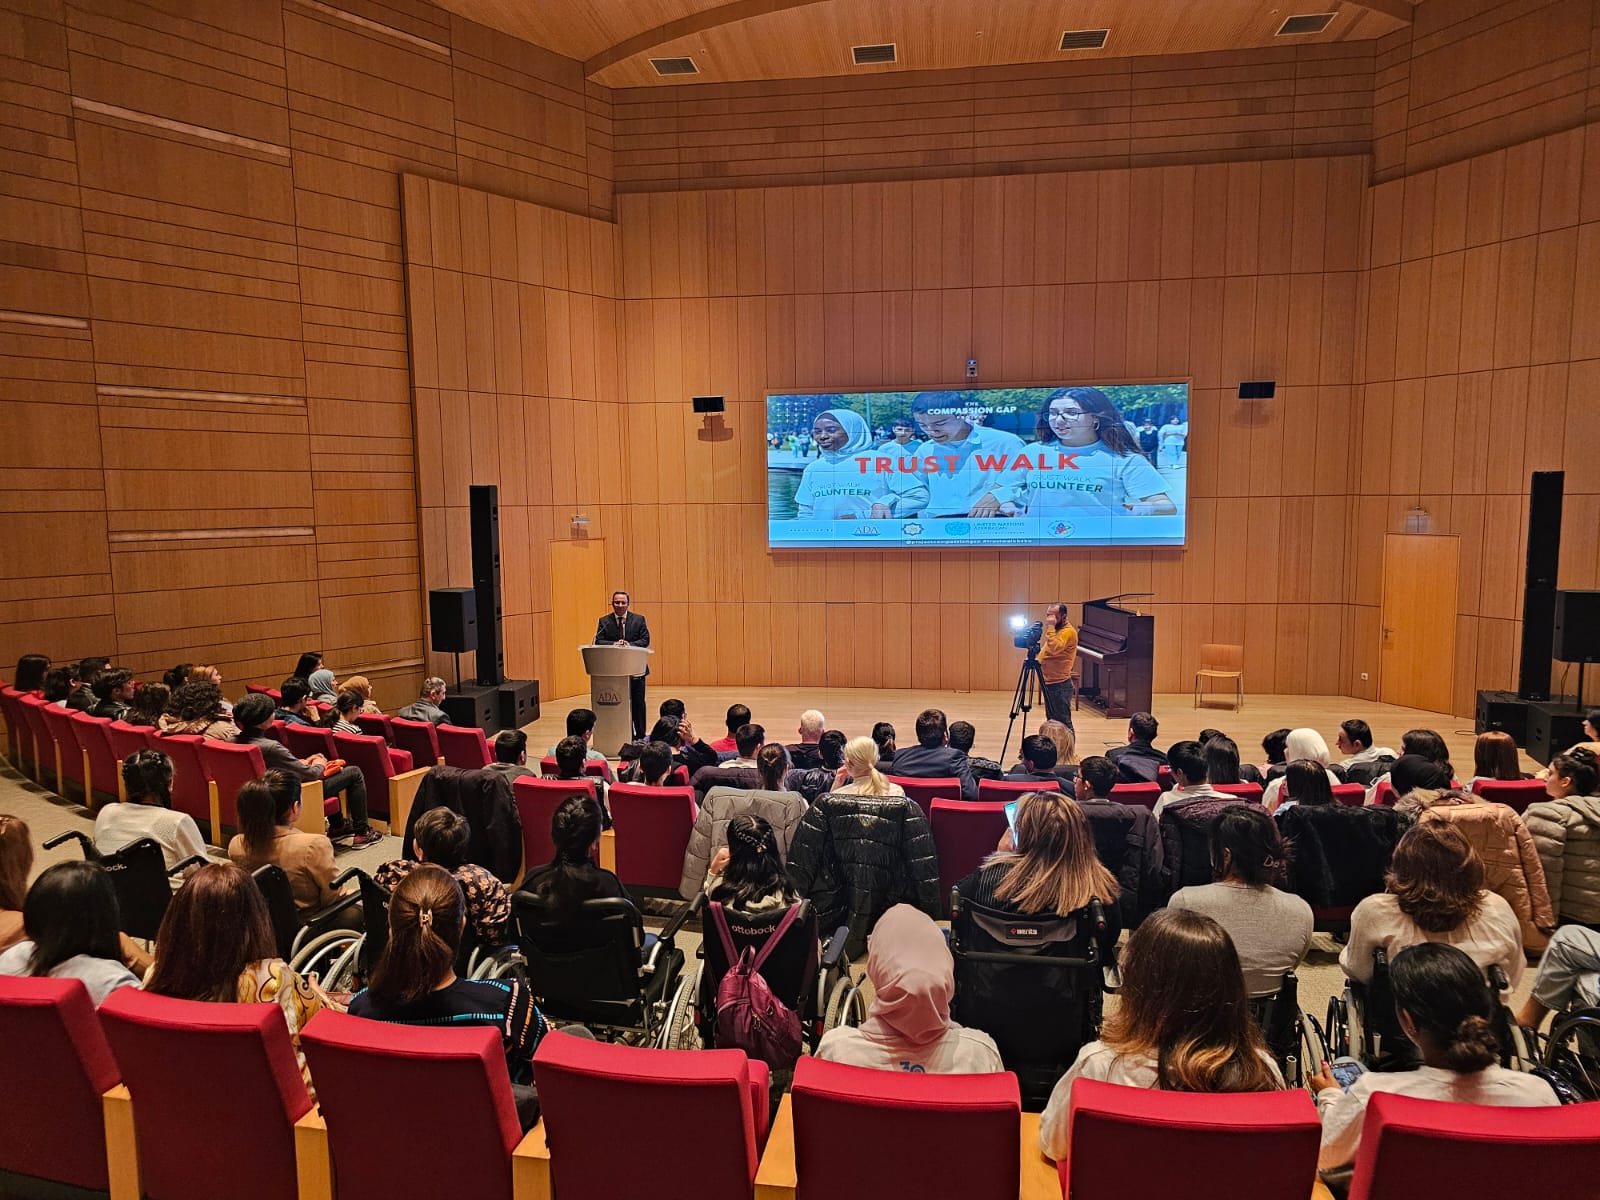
(1220, 662)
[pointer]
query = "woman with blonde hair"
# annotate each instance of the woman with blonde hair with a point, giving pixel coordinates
(1066, 744)
(861, 766)
(1046, 866)
(1301, 744)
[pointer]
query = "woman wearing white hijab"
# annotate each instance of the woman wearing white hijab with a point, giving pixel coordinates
(908, 1027)
(843, 484)
(1305, 744)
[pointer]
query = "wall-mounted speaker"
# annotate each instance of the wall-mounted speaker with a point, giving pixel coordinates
(1258, 389)
(708, 404)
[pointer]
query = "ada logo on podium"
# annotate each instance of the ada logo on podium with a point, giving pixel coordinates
(607, 696)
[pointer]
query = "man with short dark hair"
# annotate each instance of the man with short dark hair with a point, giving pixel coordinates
(581, 723)
(933, 757)
(1139, 761)
(1363, 761)
(1038, 763)
(1126, 839)
(815, 781)
(1057, 656)
(569, 765)
(511, 754)
(672, 707)
(1275, 746)
(292, 694)
(426, 706)
(962, 735)
(738, 714)
(1190, 772)
(623, 627)
(114, 692)
(655, 765)
(747, 742)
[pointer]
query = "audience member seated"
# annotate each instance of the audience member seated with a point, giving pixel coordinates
(1511, 865)
(197, 707)
(16, 860)
(569, 765)
(814, 782)
(857, 855)
(362, 686)
(1271, 930)
(201, 673)
(1065, 740)
(113, 691)
(739, 771)
(254, 714)
(216, 945)
(1363, 762)
(440, 837)
(862, 775)
(511, 755)
(30, 673)
(933, 757)
(738, 714)
(84, 697)
(687, 750)
(1048, 867)
(347, 706)
(1566, 832)
(177, 676)
(292, 708)
(308, 662)
(908, 1025)
(1304, 781)
(61, 686)
(962, 736)
(147, 813)
(1191, 781)
(1222, 760)
(1410, 774)
(323, 689)
(580, 724)
(70, 921)
(746, 873)
(1182, 1023)
(1568, 975)
(426, 706)
(1126, 839)
(1037, 762)
(1591, 731)
(1446, 1008)
(803, 754)
(149, 702)
(884, 736)
(415, 983)
(268, 809)
(1274, 746)
(1435, 894)
(572, 876)
(779, 808)
(1494, 759)
(1139, 761)
(1422, 743)
(654, 766)
(747, 741)
(1301, 744)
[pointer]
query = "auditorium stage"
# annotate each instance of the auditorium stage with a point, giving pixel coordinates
(853, 710)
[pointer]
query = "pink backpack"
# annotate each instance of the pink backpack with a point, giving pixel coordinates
(749, 1016)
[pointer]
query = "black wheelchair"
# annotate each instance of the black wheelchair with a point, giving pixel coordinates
(140, 877)
(1293, 1037)
(813, 979)
(592, 964)
(295, 932)
(1572, 1052)
(1033, 984)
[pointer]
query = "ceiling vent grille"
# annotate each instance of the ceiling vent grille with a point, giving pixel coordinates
(1305, 23)
(674, 66)
(1084, 39)
(872, 56)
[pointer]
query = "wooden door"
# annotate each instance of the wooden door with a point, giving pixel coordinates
(1418, 631)
(578, 598)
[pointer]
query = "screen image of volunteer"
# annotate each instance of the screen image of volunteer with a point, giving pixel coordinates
(967, 469)
(620, 627)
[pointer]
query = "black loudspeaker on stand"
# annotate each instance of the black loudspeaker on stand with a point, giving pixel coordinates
(1539, 594)
(484, 502)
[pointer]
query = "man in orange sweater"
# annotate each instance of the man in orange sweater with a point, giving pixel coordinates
(1057, 656)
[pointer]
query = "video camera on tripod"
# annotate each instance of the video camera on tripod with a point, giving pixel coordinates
(1030, 679)
(1027, 637)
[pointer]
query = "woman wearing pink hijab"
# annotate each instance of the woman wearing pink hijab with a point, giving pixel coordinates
(908, 1027)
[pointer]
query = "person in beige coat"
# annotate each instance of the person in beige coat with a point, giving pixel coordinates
(1512, 868)
(782, 810)
(1566, 832)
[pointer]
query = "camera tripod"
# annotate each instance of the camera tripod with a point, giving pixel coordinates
(1030, 686)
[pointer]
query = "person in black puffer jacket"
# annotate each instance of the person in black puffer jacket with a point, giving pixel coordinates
(856, 856)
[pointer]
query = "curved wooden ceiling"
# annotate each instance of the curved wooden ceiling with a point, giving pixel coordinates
(786, 39)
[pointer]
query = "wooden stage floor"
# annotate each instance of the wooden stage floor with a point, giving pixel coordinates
(854, 710)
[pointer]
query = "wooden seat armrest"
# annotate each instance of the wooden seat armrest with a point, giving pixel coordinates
(1319, 1191)
(530, 1167)
(608, 850)
(312, 818)
(403, 790)
(312, 1164)
(775, 1178)
(214, 807)
(1039, 1180)
(122, 1146)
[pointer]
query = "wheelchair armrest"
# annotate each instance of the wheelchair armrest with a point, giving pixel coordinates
(1498, 980)
(681, 918)
(833, 951)
(345, 877)
(1111, 977)
(83, 838)
(648, 967)
(191, 861)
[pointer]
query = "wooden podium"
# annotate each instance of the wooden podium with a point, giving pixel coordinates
(612, 670)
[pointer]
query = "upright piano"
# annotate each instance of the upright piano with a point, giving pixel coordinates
(1117, 650)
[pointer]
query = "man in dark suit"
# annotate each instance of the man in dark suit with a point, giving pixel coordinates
(1139, 761)
(933, 757)
(624, 628)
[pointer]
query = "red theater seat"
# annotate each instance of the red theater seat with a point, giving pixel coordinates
(926, 791)
(229, 765)
(537, 801)
(389, 791)
(652, 827)
(215, 1092)
(418, 738)
(1245, 791)
(376, 725)
(103, 777)
(54, 1069)
(1351, 795)
(45, 769)
(69, 762)
(191, 785)
(965, 832)
(354, 1061)
(1140, 1142)
(1145, 795)
(1008, 789)
(256, 689)
(1517, 793)
(463, 747)
(305, 740)
(1412, 1148)
(591, 1092)
(1384, 795)
(16, 726)
(595, 768)
(127, 739)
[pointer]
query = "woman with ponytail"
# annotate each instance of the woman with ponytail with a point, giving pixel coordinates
(415, 981)
(1446, 1008)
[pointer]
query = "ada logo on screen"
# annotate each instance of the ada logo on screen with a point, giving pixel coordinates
(958, 528)
(865, 531)
(911, 529)
(1061, 529)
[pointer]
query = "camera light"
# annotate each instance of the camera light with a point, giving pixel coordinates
(1019, 622)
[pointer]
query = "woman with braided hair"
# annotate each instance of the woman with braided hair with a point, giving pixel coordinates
(415, 982)
(747, 873)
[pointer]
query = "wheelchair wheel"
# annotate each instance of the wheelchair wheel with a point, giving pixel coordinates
(1336, 1035)
(678, 1029)
(1573, 1051)
(498, 966)
(1313, 1049)
(846, 1005)
(322, 954)
(1522, 1046)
